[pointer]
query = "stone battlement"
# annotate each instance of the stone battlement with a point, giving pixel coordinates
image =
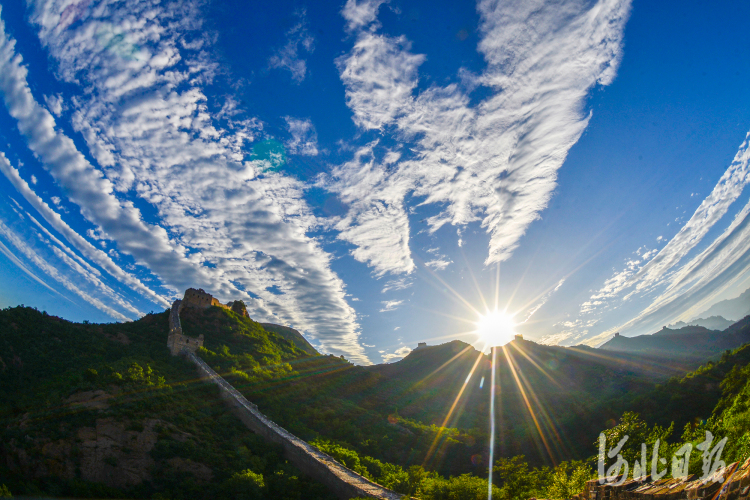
(201, 299)
(197, 297)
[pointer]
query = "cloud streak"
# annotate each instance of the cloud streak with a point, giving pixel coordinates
(682, 290)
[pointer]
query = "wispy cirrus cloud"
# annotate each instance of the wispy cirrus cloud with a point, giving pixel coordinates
(304, 139)
(390, 305)
(96, 255)
(32, 256)
(360, 13)
(683, 288)
(398, 284)
(494, 162)
(288, 57)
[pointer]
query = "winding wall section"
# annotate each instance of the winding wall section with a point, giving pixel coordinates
(343, 482)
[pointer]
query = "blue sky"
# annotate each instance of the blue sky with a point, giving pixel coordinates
(373, 173)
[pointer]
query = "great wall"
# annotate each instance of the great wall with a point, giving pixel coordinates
(729, 483)
(343, 482)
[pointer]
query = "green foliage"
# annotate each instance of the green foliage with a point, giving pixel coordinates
(245, 485)
(463, 487)
(5, 492)
(387, 423)
(49, 360)
(518, 482)
(567, 480)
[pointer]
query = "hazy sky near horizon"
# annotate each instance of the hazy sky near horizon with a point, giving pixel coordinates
(377, 174)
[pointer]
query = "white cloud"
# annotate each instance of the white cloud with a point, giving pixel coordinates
(304, 139)
(543, 300)
(379, 75)
(390, 305)
(397, 354)
(83, 246)
(11, 256)
(494, 162)
(288, 57)
(360, 13)
(54, 273)
(438, 264)
(54, 104)
(682, 290)
(397, 284)
(148, 123)
(377, 223)
(655, 268)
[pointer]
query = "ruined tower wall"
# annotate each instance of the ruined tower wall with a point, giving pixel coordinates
(201, 299)
(176, 340)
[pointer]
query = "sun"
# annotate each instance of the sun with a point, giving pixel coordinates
(496, 328)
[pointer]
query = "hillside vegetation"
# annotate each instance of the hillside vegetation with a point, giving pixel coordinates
(105, 411)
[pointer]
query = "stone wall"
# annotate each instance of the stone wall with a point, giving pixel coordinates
(174, 317)
(201, 299)
(343, 482)
(176, 340)
(731, 483)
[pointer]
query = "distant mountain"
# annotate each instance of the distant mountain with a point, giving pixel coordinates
(735, 308)
(712, 323)
(292, 336)
(562, 390)
(689, 343)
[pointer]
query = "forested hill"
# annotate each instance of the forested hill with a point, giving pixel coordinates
(80, 403)
(104, 411)
(291, 335)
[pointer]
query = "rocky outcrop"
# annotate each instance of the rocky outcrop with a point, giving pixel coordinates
(89, 400)
(239, 307)
(116, 453)
(113, 455)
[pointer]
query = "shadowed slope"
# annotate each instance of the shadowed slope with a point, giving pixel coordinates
(291, 335)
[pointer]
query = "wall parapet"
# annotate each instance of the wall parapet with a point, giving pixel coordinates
(342, 481)
(174, 317)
